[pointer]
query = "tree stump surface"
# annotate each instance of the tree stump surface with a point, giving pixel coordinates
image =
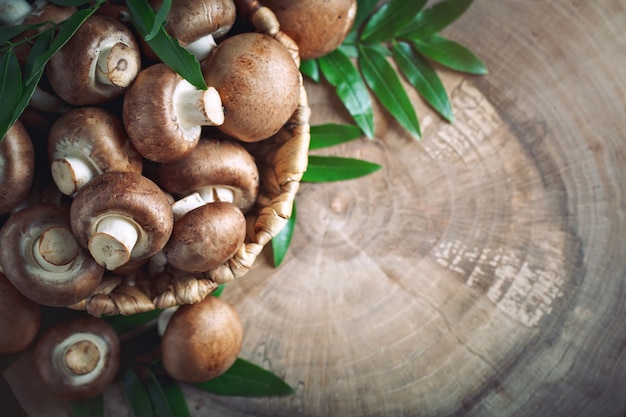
(482, 271)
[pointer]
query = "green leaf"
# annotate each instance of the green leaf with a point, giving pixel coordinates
(136, 395)
(35, 69)
(10, 89)
(335, 168)
(389, 18)
(159, 19)
(281, 242)
(451, 54)
(349, 50)
(363, 10)
(423, 77)
(33, 60)
(330, 134)
(166, 47)
(384, 82)
(160, 402)
(122, 324)
(310, 68)
(70, 2)
(434, 19)
(174, 395)
(9, 32)
(341, 73)
(219, 290)
(248, 380)
(90, 407)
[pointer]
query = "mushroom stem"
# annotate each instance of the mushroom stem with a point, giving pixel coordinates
(201, 47)
(71, 173)
(217, 193)
(82, 356)
(55, 249)
(42, 100)
(113, 242)
(186, 204)
(13, 12)
(195, 107)
(116, 66)
(164, 319)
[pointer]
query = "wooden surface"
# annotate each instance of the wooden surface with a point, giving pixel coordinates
(483, 271)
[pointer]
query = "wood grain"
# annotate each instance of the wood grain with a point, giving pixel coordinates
(482, 272)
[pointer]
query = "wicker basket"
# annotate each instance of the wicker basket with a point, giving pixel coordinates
(282, 160)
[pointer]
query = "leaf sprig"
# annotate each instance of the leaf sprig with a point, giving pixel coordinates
(17, 85)
(407, 33)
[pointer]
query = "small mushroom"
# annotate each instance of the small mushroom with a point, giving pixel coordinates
(206, 237)
(43, 260)
(164, 114)
(78, 359)
(202, 340)
(218, 170)
(317, 26)
(17, 167)
(196, 24)
(19, 318)
(121, 216)
(104, 57)
(86, 142)
(258, 81)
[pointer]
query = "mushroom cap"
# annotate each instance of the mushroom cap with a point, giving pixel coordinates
(206, 237)
(317, 26)
(79, 358)
(19, 318)
(95, 136)
(189, 20)
(202, 340)
(127, 195)
(23, 237)
(47, 12)
(150, 120)
(17, 167)
(215, 163)
(258, 82)
(76, 83)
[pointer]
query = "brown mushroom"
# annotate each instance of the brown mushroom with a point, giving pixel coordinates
(202, 340)
(97, 64)
(164, 114)
(206, 237)
(317, 26)
(43, 260)
(17, 167)
(19, 318)
(86, 142)
(258, 81)
(196, 24)
(121, 216)
(218, 170)
(78, 359)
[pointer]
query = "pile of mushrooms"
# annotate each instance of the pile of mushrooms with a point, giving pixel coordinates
(147, 179)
